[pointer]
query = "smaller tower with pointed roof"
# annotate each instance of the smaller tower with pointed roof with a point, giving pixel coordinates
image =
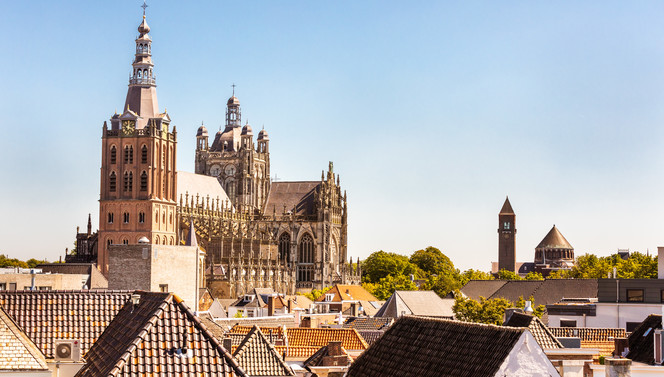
(507, 237)
(553, 253)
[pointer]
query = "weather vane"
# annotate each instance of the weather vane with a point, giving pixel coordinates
(145, 5)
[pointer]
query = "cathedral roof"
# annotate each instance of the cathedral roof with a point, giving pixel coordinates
(263, 135)
(231, 135)
(294, 196)
(202, 131)
(202, 185)
(246, 130)
(554, 240)
(507, 208)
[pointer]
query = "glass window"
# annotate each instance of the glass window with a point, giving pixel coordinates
(635, 295)
(567, 323)
(163, 287)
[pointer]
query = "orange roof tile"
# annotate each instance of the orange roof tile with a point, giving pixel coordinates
(308, 337)
(348, 292)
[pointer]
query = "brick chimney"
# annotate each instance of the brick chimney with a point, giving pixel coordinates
(335, 355)
(290, 305)
(270, 306)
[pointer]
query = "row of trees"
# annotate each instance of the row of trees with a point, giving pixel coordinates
(430, 269)
(5, 261)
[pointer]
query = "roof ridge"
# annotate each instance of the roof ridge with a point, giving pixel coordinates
(256, 334)
(204, 330)
(462, 323)
(141, 333)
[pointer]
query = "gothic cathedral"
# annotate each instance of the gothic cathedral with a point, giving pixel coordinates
(288, 236)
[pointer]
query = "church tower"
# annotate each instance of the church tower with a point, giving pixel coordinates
(138, 172)
(507, 238)
(241, 166)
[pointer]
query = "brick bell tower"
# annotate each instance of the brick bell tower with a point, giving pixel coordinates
(138, 172)
(507, 237)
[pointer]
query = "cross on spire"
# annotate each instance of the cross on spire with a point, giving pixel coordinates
(145, 5)
(233, 89)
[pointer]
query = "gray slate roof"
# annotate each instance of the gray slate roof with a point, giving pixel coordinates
(295, 196)
(540, 332)
(430, 347)
(423, 303)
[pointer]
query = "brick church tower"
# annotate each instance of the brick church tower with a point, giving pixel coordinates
(138, 172)
(507, 238)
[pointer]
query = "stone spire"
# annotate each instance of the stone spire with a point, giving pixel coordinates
(191, 237)
(142, 92)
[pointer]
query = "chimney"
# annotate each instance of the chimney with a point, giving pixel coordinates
(660, 262)
(617, 367)
(620, 346)
(353, 309)
(270, 306)
(290, 305)
(334, 348)
(529, 308)
(227, 344)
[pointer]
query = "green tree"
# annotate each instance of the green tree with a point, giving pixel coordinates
(489, 311)
(508, 275)
(471, 274)
(387, 285)
(381, 264)
(442, 284)
(432, 261)
(532, 275)
(316, 293)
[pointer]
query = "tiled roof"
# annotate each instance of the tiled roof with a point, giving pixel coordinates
(540, 332)
(551, 291)
(308, 337)
(590, 334)
(292, 196)
(514, 289)
(424, 303)
(641, 341)
(554, 240)
(276, 321)
(371, 336)
(428, 347)
(317, 358)
(348, 293)
(296, 352)
(159, 336)
(49, 315)
(17, 351)
(277, 332)
(257, 357)
(605, 348)
(368, 323)
(481, 288)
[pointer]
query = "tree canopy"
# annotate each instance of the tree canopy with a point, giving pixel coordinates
(491, 311)
(590, 266)
(5, 261)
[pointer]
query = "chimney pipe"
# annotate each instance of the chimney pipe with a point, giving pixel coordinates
(660, 262)
(270, 306)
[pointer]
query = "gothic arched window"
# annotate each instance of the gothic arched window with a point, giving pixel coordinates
(284, 247)
(139, 73)
(129, 154)
(141, 217)
(128, 181)
(125, 217)
(144, 154)
(144, 181)
(305, 258)
(112, 182)
(113, 154)
(110, 217)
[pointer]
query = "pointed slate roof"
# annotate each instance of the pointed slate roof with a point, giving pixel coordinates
(424, 303)
(159, 336)
(428, 347)
(17, 351)
(507, 208)
(191, 237)
(540, 332)
(554, 240)
(257, 357)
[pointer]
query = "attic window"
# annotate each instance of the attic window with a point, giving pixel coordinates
(248, 298)
(647, 332)
(329, 296)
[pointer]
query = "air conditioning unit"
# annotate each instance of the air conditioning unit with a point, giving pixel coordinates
(658, 346)
(67, 350)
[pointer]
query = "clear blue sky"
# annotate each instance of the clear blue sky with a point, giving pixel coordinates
(431, 111)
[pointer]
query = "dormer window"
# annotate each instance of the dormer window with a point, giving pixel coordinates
(329, 296)
(248, 298)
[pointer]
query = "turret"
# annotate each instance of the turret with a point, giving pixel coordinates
(263, 142)
(247, 137)
(202, 138)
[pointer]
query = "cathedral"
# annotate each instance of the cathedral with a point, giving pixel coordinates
(289, 236)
